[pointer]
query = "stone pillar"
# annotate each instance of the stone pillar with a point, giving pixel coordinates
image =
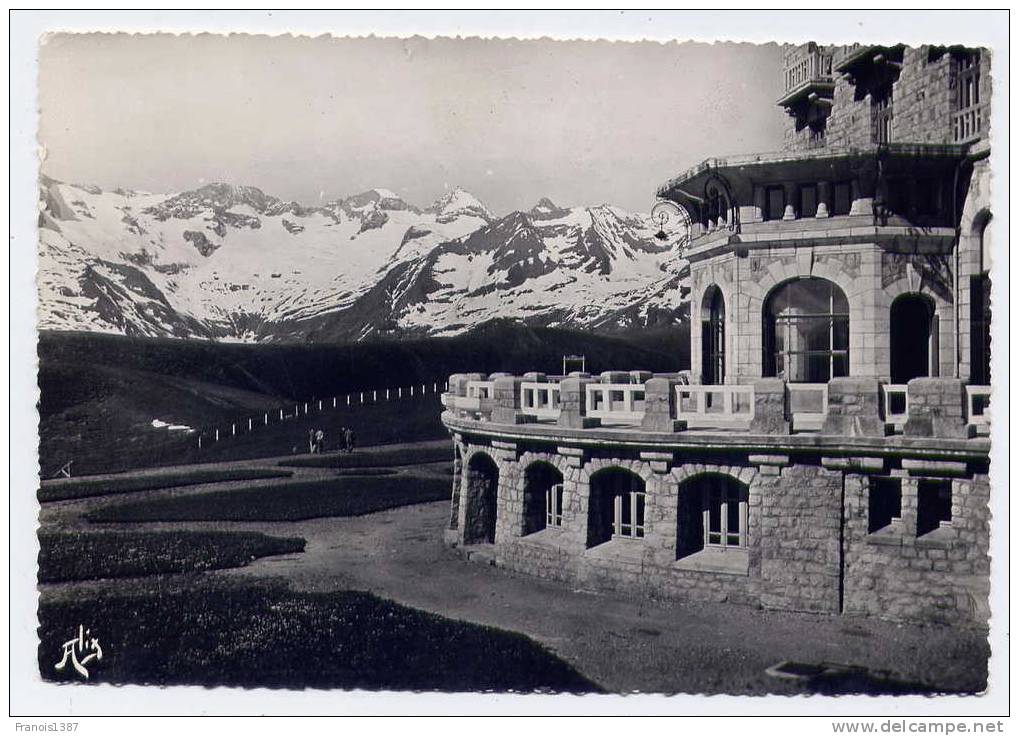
(573, 403)
(458, 382)
(769, 407)
(790, 199)
(759, 202)
(506, 401)
(660, 406)
(615, 377)
(854, 408)
(937, 409)
(452, 534)
(824, 202)
(863, 198)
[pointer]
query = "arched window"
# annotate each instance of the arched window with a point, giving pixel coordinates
(806, 331)
(913, 335)
(713, 337)
(482, 485)
(712, 514)
(616, 506)
(543, 497)
(980, 309)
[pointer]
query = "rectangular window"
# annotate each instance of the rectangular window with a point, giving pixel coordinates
(629, 515)
(774, 203)
(554, 505)
(884, 503)
(967, 84)
(933, 505)
(980, 329)
(843, 200)
(725, 514)
(808, 200)
(881, 116)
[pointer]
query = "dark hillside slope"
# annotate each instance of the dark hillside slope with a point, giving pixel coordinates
(100, 393)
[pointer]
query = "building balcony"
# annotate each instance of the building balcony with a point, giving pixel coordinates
(969, 125)
(642, 407)
(904, 187)
(869, 65)
(808, 76)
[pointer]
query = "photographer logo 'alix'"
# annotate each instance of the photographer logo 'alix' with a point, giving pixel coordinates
(81, 650)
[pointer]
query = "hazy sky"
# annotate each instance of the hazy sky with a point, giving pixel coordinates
(315, 119)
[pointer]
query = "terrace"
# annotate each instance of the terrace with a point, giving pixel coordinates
(638, 406)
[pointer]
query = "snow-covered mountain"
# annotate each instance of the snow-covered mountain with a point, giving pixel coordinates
(233, 263)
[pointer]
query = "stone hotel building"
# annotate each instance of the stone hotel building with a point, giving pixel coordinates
(827, 451)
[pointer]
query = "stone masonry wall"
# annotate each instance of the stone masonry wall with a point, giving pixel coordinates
(807, 530)
(942, 576)
(801, 509)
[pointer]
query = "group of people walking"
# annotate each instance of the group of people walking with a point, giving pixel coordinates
(317, 439)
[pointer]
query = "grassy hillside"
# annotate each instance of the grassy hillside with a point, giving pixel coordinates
(100, 393)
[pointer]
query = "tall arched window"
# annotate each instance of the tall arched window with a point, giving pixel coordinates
(482, 485)
(806, 331)
(913, 333)
(713, 337)
(980, 309)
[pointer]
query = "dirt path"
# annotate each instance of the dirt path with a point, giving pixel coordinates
(623, 644)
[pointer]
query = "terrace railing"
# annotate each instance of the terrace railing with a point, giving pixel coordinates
(540, 399)
(715, 406)
(477, 391)
(895, 403)
(807, 63)
(616, 403)
(978, 401)
(968, 124)
(808, 405)
(665, 402)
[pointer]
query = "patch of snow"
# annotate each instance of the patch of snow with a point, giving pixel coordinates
(160, 424)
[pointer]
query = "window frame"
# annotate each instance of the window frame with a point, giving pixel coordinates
(882, 111)
(925, 488)
(847, 187)
(802, 190)
(768, 214)
(629, 507)
(882, 485)
(554, 506)
(838, 323)
(727, 492)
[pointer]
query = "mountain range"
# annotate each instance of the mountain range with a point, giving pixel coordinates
(233, 263)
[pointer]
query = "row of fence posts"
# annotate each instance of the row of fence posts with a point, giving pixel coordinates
(387, 395)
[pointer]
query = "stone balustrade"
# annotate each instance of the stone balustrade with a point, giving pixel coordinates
(639, 400)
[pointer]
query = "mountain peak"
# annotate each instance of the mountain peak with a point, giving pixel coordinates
(546, 209)
(458, 201)
(384, 199)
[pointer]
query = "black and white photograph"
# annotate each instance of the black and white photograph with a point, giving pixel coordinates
(553, 368)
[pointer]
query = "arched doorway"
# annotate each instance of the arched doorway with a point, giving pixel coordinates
(914, 338)
(713, 337)
(482, 483)
(543, 497)
(616, 506)
(806, 331)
